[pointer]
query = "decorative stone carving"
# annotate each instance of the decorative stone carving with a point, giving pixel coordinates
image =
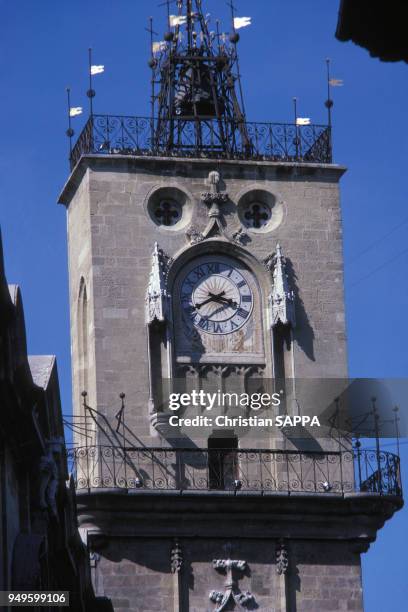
(194, 236)
(282, 297)
(214, 198)
(232, 568)
(240, 237)
(187, 370)
(176, 557)
(282, 559)
(268, 262)
(249, 370)
(157, 297)
(212, 368)
(49, 475)
(202, 370)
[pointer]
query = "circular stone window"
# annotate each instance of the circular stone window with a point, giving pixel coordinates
(259, 211)
(169, 208)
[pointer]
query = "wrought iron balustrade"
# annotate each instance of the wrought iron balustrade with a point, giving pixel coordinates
(110, 135)
(262, 471)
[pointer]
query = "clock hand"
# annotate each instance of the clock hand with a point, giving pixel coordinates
(207, 301)
(213, 298)
(228, 301)
(216, 295)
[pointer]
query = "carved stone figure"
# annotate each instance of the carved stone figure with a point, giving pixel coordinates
(49, 475)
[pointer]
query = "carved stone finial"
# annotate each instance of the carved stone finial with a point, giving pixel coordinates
(176, 557)
(214, 177)
(214, 198)
(282, 559)
(157, 297)
(282, 297)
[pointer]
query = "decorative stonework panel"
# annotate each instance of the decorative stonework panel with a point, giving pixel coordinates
(232, 568)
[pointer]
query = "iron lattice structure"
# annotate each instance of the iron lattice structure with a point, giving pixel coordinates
(197, 107)
(195, 71)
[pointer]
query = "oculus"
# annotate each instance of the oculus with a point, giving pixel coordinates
(169, 207)
(260, 211)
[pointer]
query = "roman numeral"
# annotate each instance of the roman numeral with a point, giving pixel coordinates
(217, 328)
(190, 311)
(241, 284)
(233, 325)
(204, 324)
(246, 298)
(199, 272)
(213, 268)
(242, 313)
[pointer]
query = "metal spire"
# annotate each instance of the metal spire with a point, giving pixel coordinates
(197, 108)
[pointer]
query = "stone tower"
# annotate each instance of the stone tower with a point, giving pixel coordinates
(205, 252)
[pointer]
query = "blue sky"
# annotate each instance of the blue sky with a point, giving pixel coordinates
(44, 49)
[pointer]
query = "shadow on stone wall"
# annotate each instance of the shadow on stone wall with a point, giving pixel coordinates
(303, 332)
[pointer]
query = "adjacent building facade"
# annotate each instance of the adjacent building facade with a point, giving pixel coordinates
(40, 545)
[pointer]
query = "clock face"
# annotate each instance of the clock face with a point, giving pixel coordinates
(216, 297)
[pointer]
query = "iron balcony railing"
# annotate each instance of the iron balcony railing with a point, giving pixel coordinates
(110, 135)
(262, 471)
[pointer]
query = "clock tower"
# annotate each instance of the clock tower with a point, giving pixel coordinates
(205, 253)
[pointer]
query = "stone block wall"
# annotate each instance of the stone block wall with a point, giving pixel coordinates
(321, 577)
(111, 239)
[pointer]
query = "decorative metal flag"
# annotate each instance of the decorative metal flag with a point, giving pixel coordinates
(177, 20)
(241, 22)
(303, 121)
(97, 69)
(159, 46)
(336, 82)
(74, 111)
